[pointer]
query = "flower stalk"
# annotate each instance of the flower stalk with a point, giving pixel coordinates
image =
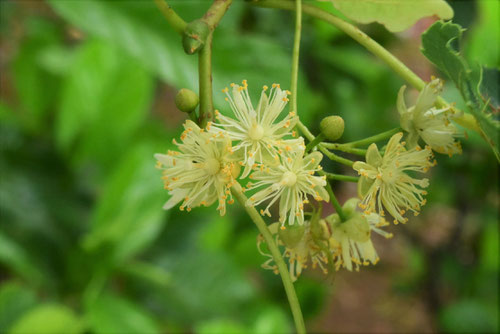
(335, 202)
(205, 82)
(340, 177)
(278, 259)
(173, 19)
(312, 144)
(295, 54)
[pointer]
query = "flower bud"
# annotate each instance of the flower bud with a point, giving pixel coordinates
(194, 36)
(186, 100)
(291, 235)
(332, 127)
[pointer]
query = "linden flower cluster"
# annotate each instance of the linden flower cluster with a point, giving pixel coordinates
(300, 249)
(317, 241)
(207, 163)
(259, 143)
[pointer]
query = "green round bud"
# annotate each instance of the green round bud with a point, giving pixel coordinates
(194, 36)
(332, 127)
(186, 100)
(291, 235)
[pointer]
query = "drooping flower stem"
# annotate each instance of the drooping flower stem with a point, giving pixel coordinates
(205, 82)
(295, 55)
(365, 141)
(173, 19)
(345, 148)
(340, 177)
(312, 144)
(334, 201)
(332, 156)
(278, 259)
(371, 45)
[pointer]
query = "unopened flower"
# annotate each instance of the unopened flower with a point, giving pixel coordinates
(300, 249)
(384, 182)
(260, 132)
(351, 240)
(290, 182)
(201, 172)
(424, 121)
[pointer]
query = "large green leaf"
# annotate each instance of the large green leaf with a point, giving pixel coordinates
(128, 215)
(395, 15)
(114, 315)
(441, 45)
(48, 319)
(105, 99)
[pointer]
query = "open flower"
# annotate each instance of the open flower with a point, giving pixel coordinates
(259, 131)
(202, 172)
(300, 249)
(351, 240)
(424, 121)
(384, 182)
(291, 182)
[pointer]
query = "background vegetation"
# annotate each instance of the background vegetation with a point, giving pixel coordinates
(87, 93)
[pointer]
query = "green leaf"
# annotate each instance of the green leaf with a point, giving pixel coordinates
(15, 300)
(157, 46)
(395, 15)
(110, 314)
(15, 258)
(441, 45)
(105, 99)
(490, 86)
(129, 211)
(48, 319)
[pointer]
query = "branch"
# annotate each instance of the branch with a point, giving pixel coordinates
(371, 45)
(173, 19)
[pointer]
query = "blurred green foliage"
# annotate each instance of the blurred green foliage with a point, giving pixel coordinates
(87, 99)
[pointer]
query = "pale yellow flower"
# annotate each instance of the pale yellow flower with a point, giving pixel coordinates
(201, 172)
(290, 182)
(424, 121)
(300, 249)
(260, 133)
(351, 241)
(385, 183)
